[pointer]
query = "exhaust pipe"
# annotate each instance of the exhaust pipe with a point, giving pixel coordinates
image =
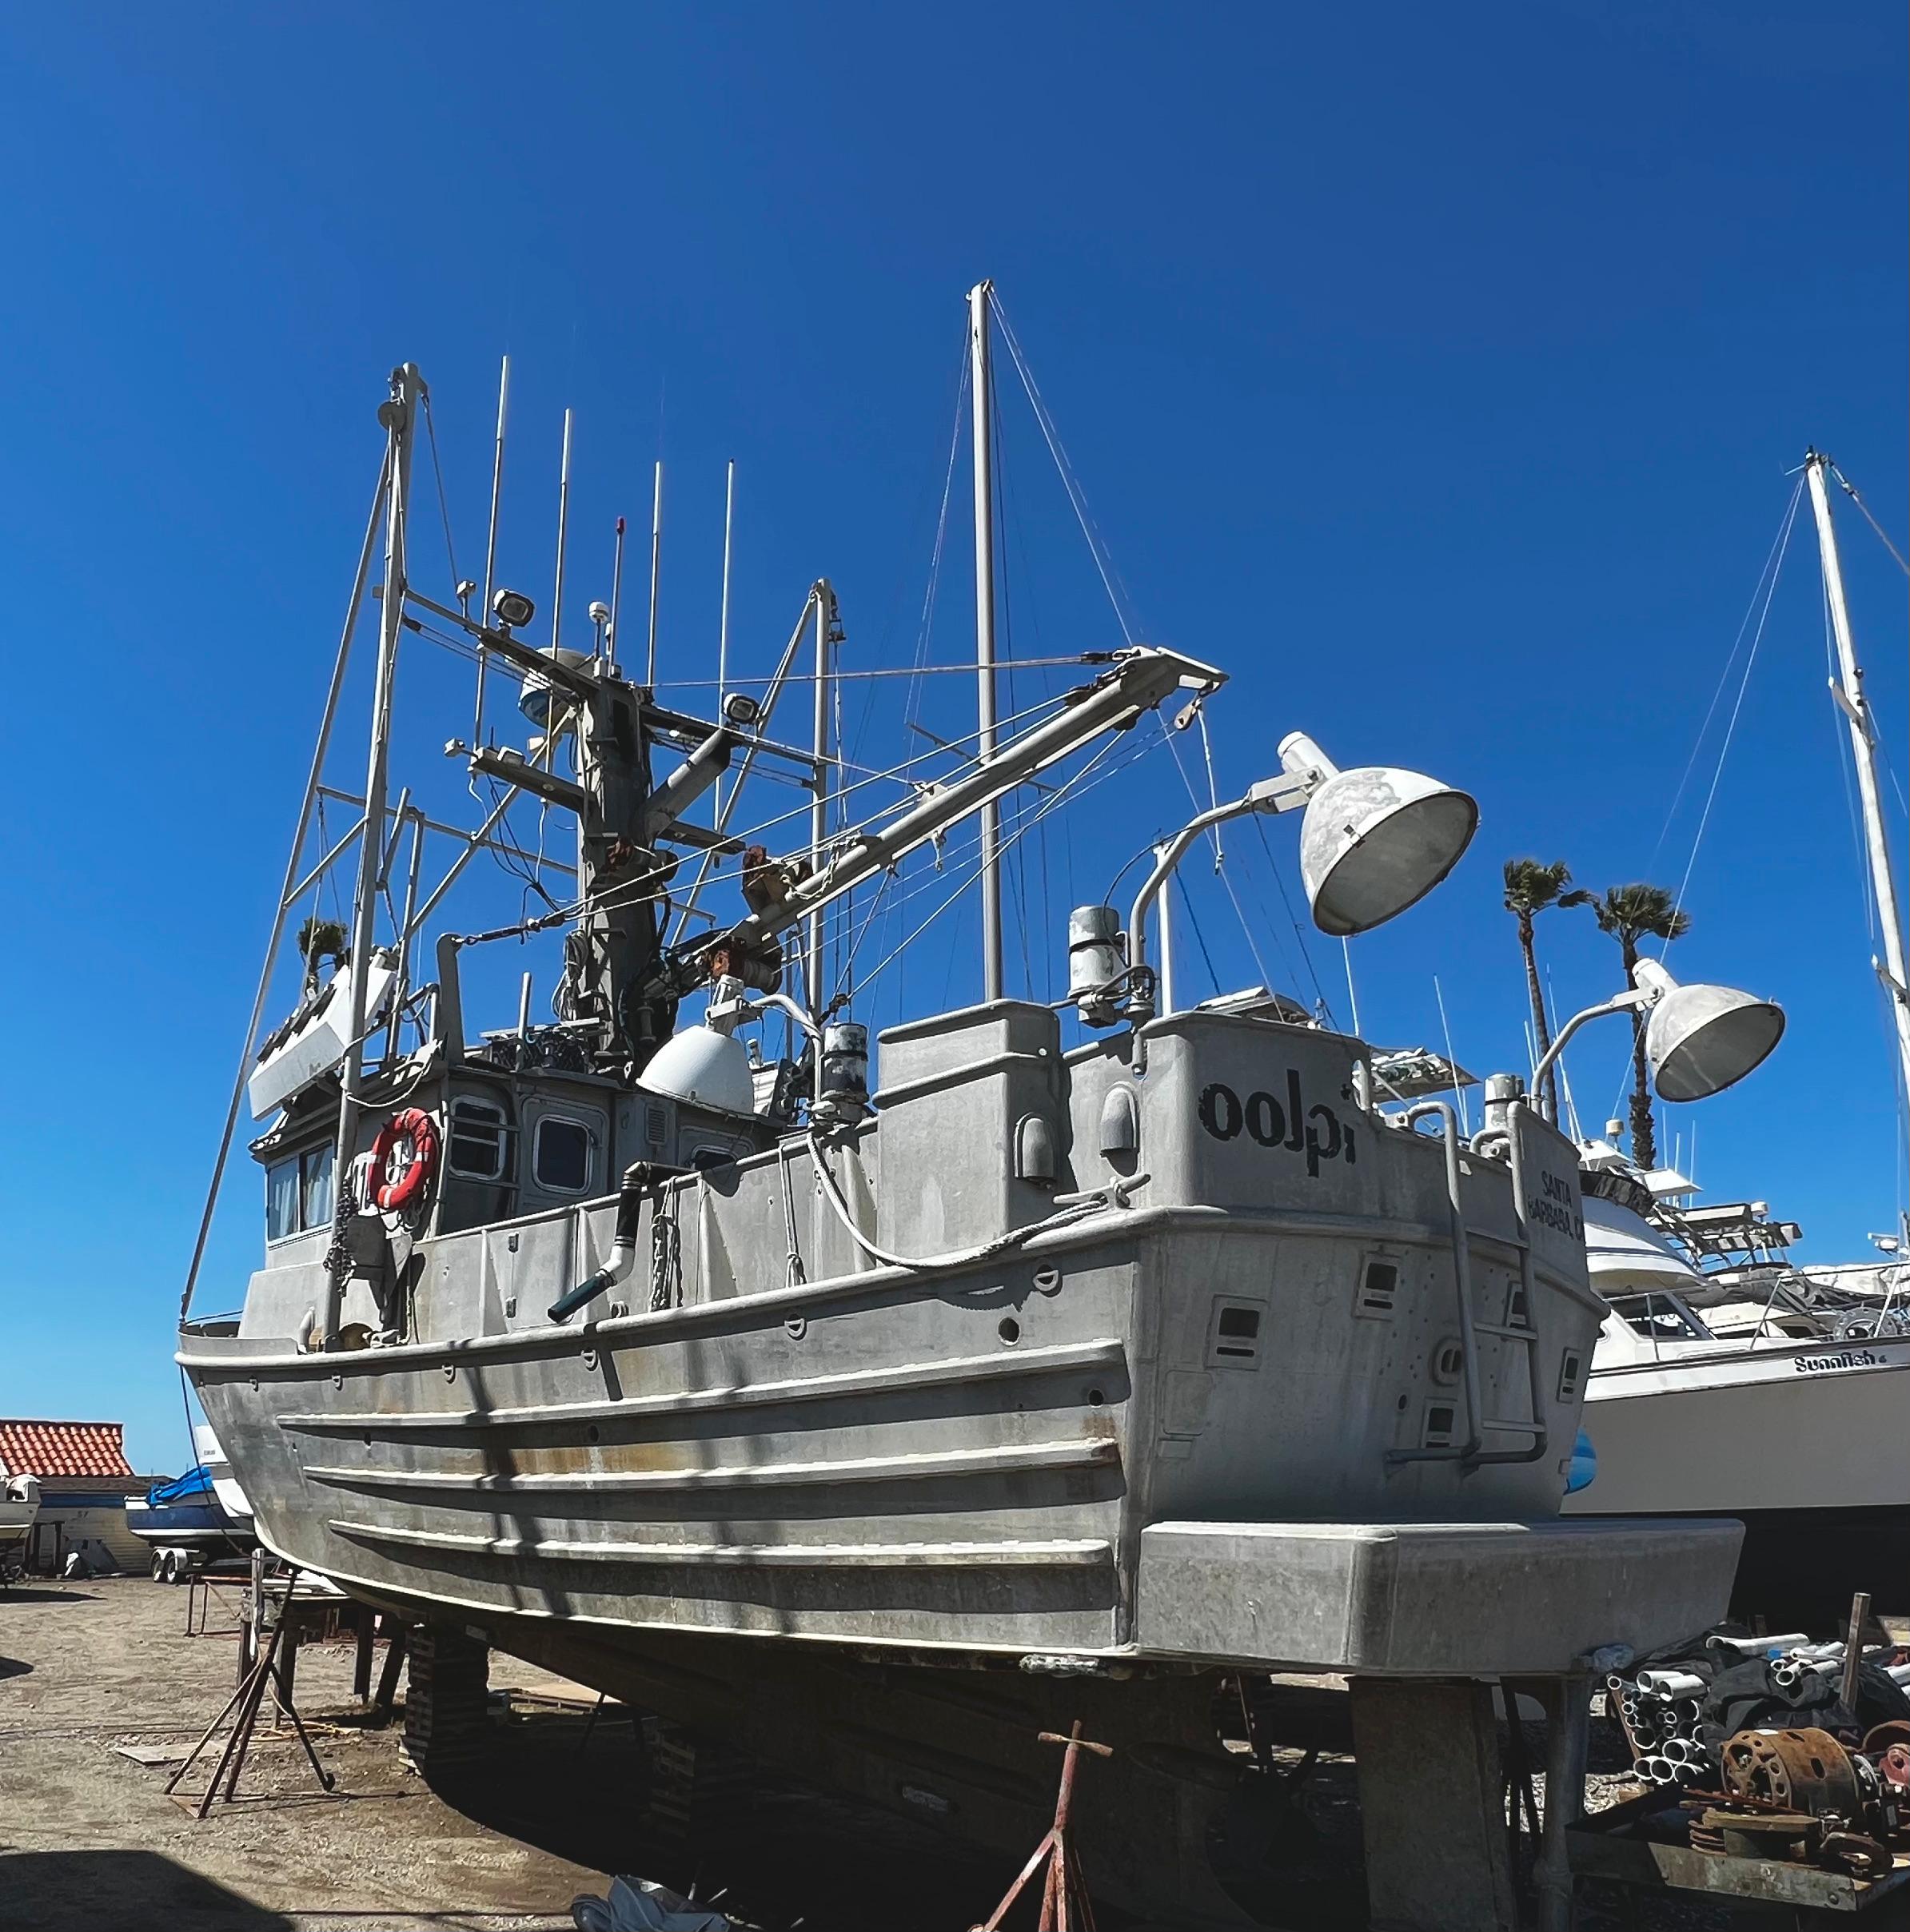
(639, 1183)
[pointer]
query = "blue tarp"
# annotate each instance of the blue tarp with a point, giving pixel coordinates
(195, 1486)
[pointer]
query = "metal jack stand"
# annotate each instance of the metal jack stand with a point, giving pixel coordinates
(1065, 1905)
(243, 1708)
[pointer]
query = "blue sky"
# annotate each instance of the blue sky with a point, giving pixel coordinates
(1435, 372)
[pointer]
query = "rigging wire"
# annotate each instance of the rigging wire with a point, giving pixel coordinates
(1076, 783)
(1110, 578)
(444, 505)
(1773, 557)
(1266, 979)
(1736, 708)
(1847, 770)
(1850, 490)
(1323, 1003)
(1766, 589)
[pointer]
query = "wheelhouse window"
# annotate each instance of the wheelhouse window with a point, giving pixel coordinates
(298, 1193)
(315, 1186)
(282, 1199)
(560, 1156)
(478, 1132)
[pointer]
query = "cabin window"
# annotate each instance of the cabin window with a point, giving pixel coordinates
(298, 1193)
(282, 1199)
(315, 1186)
(561, 1158)
(478, 1139)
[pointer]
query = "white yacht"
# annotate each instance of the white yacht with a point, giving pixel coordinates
(1727, 1381)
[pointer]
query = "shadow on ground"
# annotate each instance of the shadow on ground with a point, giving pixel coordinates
(82, 1891)
(51, 1593)
(785, 1858)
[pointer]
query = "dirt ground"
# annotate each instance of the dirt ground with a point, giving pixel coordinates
(88, 1838)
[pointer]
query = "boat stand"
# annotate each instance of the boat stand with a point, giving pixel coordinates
(242, 1708)
(1065, 1904)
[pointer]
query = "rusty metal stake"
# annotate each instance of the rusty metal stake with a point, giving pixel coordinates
(1065, 1904)
(1853, 1650)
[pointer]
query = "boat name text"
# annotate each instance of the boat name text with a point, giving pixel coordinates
(1556, 1207)
(1293, 1127)
(1848, 1358)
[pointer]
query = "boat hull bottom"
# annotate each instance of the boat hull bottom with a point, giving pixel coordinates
(956, 1748)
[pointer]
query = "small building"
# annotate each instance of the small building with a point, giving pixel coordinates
(85, 1480)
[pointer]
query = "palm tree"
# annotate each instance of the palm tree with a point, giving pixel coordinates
(1630, 913)
(1530, 887)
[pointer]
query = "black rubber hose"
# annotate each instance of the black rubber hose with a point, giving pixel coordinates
(639, 1182)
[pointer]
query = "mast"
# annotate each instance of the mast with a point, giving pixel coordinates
(1850, 700)
(556, 601)
(656, 557)
(814, 989)
(399, 415)
(483, 609)
(981, 383)
(729, 519)
(1164, 926)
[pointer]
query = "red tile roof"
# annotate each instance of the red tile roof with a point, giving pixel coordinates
(63, 1449)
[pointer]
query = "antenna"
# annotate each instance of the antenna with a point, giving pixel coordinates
(981, 385)
(616, 593)
(816, 990)
(1466, 1116)
(504, 405)
(729, 517)
(483, 610)
(556, 601)
(657, 552)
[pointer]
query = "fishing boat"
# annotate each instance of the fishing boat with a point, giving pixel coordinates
(1729, 1380)
(1095, 1349)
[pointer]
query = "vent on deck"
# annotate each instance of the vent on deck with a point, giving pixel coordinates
(1570, 1370)
(1378, 1290)
(1234, 1335)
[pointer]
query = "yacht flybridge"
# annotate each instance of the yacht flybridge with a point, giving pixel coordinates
(1101, 1348)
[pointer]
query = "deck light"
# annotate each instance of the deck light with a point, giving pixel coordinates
(1375, 840)
(1701, 1039)
(1698, 1039)
(513, 609)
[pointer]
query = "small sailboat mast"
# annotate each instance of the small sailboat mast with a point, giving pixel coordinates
(1848, 690)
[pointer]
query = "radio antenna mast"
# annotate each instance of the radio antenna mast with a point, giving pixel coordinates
(657, 552)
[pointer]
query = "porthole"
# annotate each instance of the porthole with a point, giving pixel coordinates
(1009, 1329)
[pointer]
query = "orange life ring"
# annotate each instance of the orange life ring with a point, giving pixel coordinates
(417, 1127)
